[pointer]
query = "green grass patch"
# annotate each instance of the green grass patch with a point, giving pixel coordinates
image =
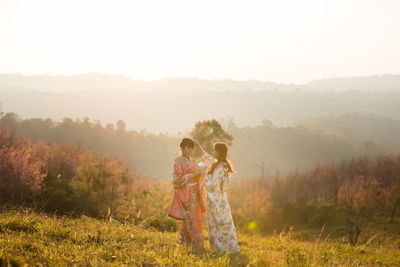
(40, 239)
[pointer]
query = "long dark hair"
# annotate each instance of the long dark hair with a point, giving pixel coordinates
(222, 150)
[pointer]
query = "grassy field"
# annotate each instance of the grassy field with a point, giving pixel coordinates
(28, 238)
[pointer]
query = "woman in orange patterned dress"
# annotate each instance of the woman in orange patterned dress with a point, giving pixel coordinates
(187, 204)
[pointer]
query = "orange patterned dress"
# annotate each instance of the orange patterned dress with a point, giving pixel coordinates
(187, 204)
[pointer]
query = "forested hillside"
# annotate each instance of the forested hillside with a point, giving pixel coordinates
(258, 151)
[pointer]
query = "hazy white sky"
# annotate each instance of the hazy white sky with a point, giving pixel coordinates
(280, 41)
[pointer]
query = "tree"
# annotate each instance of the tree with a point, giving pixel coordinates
(209, 132)
(110, 127)
(59, 163)
(11, 120)
(121, 126)
(20, 176)
(103, 184)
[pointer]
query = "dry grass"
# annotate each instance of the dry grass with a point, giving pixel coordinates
(43, 240)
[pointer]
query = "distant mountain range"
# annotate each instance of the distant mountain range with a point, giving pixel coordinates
(174, 105)
(112, 82)
(376, 82)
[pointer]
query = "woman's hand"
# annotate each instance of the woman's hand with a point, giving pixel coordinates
(200, 171)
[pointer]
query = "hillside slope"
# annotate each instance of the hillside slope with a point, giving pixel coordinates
(39, 239)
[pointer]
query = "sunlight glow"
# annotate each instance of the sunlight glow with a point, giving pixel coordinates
(281, 41)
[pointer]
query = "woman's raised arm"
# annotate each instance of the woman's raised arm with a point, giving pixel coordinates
(197, 144)
(205, 158)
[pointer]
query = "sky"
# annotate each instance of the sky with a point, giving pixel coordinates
(279, 41)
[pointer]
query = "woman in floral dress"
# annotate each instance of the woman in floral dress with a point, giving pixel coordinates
(187, 205)
(221, 230)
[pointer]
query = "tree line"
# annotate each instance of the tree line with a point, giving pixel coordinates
(257, 151)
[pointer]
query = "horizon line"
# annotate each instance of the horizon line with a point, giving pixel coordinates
(194, 78)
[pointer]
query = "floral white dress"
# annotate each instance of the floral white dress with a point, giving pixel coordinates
(221, 230)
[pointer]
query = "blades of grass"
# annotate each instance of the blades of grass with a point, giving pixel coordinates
(372, 238)
(320, 233)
